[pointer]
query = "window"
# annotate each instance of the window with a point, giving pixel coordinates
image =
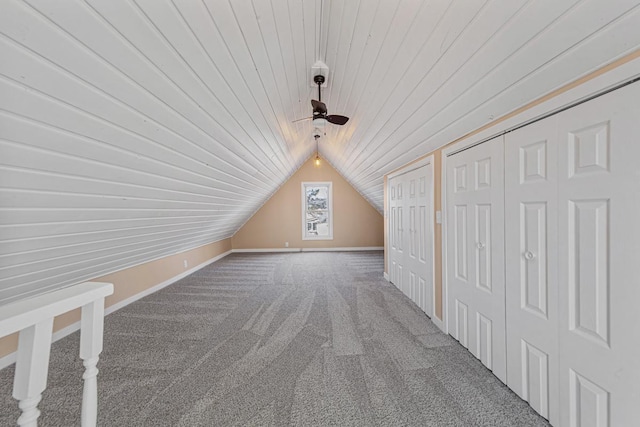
(317, 211)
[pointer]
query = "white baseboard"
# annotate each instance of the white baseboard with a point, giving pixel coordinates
(10, 358)
(439, 323)
(156, 288)
(386, 276)
(261, 250)
(343, 249)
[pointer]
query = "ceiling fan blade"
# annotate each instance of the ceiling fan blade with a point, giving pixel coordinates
(319, 107)
(299, 120)
(337, 120)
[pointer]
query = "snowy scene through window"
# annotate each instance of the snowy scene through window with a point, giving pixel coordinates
(316, 201)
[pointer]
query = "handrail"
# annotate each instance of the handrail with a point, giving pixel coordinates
(33, 319)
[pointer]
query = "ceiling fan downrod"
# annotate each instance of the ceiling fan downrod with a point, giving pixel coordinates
(319, 79)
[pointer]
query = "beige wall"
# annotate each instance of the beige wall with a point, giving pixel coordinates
(438, 170)
(355, 222)
(133, 280)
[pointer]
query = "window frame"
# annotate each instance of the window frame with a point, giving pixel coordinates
(304, 186)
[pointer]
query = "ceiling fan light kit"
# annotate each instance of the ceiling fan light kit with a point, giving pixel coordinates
(320, 117)
(319, 122)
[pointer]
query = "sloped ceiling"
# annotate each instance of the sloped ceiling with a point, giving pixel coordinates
(130, 130)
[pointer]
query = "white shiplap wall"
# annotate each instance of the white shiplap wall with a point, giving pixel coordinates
(131, 130)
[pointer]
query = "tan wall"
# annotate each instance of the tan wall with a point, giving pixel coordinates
(355, 222)
(438, 170)
(133, 280)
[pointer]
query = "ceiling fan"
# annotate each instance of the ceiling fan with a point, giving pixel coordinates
(320, 116)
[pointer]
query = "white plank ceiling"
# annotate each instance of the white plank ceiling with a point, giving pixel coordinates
(135, 129)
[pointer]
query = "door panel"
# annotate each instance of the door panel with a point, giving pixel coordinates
(393, 232)
(421, 264)
(535, 378)
(483, 256)
(411, 255)
(531, 263)
(397, 233)
(460, 242)
(484, 344)
(462, 323)
(411, 203)
(475, 236)
(599, 198)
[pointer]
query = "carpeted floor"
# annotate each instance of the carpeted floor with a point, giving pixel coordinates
(305, 339)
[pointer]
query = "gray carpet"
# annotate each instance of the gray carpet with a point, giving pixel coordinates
(305, 339)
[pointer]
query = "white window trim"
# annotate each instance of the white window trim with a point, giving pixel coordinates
(303, 201)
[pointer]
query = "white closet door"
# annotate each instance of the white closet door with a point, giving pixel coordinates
(396, 231)
(418, 257)
(475, 252)
(599, 258)
(392, 229)
(531, 260)
(411, 234)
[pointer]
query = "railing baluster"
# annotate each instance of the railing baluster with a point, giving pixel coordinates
(32, 366)
(90, 393)
(91, 331)
(33, 319)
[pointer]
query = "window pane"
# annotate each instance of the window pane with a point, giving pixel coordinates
(316, 211)
(317, 198)
(317, 223)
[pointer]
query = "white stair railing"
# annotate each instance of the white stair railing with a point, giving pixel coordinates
(33, 319)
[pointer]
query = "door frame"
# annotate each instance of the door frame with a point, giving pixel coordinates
(567, 97)
(428, 160)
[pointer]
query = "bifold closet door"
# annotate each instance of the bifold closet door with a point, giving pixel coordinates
(418, 256)
(599, 260)
(475, 252)
(396, 232)
(411, 258)
(572, 206)
(531, 263)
